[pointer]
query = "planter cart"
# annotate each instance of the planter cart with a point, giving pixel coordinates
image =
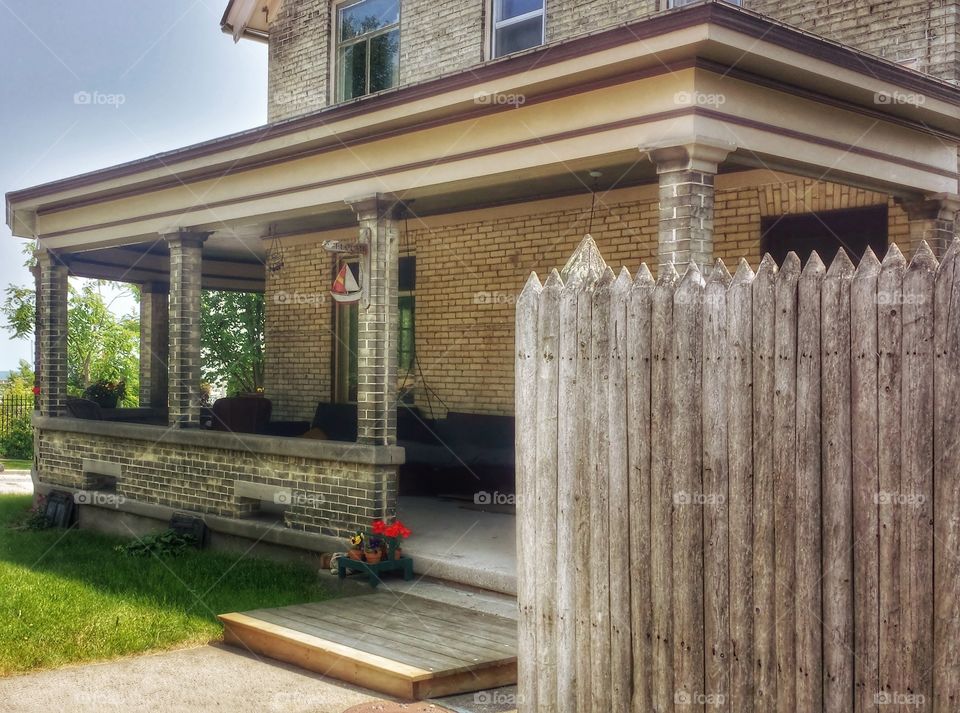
(373, 571)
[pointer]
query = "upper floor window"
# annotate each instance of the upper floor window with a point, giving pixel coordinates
(368, 47)
(517, 25)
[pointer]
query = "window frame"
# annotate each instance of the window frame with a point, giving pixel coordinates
(495, 24)
(336, 81)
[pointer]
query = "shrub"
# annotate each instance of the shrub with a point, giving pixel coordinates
(17, 442)
(36, 517)
(163, 544)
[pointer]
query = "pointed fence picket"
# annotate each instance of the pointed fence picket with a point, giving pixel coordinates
(749, 485)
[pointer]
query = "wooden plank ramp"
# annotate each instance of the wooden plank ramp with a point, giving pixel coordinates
(407, 647)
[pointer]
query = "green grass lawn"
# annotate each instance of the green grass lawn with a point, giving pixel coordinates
(14, 464)
(68, 596)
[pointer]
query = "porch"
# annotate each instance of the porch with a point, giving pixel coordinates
(698, 123)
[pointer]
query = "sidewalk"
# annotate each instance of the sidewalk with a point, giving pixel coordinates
(16, 482)
(206, 678)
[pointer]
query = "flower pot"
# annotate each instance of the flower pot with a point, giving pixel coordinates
(398, 553)
(373, 557)
(355, 554)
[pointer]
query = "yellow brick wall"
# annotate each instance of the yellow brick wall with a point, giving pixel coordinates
(469, 274)
(299, 332)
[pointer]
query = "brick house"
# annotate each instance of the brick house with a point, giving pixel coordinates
(466, 143)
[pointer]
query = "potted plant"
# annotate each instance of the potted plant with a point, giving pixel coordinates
(392, 534)
(356, 547)
(373, 549)
(107, 394)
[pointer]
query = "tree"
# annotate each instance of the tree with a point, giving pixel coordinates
(20, 382)
(232, 340)
(101, 346)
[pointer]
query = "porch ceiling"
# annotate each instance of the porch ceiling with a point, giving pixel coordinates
(787, 100)
(229, 263)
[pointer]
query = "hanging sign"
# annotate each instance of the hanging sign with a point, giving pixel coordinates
(343, 246)
(345, 288)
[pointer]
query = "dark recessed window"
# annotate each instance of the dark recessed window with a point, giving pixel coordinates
(517, 25)
(368, 47)
(826, 232)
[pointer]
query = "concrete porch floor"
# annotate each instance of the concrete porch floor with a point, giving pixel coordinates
(463, 545)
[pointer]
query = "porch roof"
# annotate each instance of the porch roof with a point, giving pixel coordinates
(530, 126)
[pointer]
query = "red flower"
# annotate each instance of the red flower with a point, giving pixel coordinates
(397, 529)
(36, 390)
(379, 527)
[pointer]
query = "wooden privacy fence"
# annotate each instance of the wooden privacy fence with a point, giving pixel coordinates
(13, 408)
(740, 493)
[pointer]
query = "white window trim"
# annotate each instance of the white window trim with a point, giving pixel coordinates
(498, 24)
(335, 45)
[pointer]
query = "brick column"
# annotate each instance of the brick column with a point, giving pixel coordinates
(154, 343)
(184, 356)
(686, 170)
(52, 334)
(378, 330)
(35, 271)
(932, 219)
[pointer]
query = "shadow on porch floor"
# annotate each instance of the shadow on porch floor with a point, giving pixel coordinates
(461, 544)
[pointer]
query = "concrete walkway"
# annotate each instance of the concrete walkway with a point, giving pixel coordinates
(208, 678)
(461, 544)
(15, 482)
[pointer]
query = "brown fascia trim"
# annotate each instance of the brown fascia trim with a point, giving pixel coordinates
(226, 14)
(714, 12)
(340, 142)
(574, 133)
(483, 110)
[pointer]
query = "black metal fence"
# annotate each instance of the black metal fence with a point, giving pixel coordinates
(13, 408)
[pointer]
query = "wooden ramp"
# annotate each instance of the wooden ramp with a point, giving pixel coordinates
(404, 646)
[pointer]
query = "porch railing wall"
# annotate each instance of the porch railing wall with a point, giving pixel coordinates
(740, 493)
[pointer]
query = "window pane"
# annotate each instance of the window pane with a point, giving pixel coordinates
(367, 16)
(520, 36)
(514, 8)
(353, 71)
(384, 60)
(407, 332)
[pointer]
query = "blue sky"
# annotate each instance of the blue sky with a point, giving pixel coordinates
(165, 73)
